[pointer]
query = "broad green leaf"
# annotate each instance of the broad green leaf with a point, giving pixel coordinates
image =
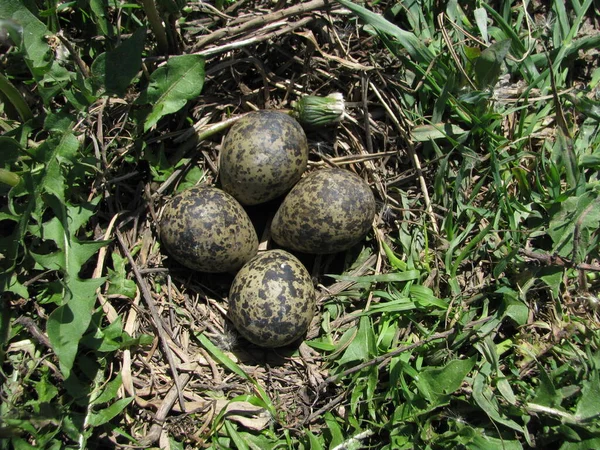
(34, 35)
(426, 133)
(55, 153)
(436, 384)
(424, 297)
(67, 323)
(12, 94)
(172, 85)
(362, 346)
(486, 400)
(546, 394)
(107, 414)
(516, 310)
(315, 443)
(588, 406)
(577, 211)
(481, 19)
(98, 8)
(337, 435)
(505, 389)
(481, 441)
(115, 69)
(488, 65)
(175, 445)
(72, 253)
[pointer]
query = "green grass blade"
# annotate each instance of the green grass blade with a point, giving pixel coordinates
(408, 40)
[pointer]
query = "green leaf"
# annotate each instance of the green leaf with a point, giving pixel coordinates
(486, 400)
(362, 346)
(483, 442)
(17, 100)
(382, 278)
(237, 439)
(426, 133)
(107, 414)
(67, 323)
(516, 310)
(34, 42)
(546, 394)
(315, 443)
(55, 153)
(436, 384)
(117, 278)
(172, 85)
(424, 297)
(115, 69)
(225, 360)
(488, 65)
(481, 19)
(588, 406)
(73, 253)
(581, 211)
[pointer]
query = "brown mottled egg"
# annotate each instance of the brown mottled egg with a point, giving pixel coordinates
(328, 211)
(206, 229)
(264, 154)
(272, 299)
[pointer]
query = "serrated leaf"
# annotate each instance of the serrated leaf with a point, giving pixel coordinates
(172, 85)
(115, 69)
(34, 32)
(117, 278)
(67, 323)
(55, 153)
(72, 253)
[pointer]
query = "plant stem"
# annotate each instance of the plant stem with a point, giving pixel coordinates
(16, 98)
(157, 26)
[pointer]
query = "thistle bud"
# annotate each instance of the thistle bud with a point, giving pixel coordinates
(313, 111)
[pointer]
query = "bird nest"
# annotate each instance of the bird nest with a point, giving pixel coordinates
(197, 371)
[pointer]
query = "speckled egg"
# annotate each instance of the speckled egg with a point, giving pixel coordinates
(272, 299)
(263, 155)
(206, 229)
(328, 211)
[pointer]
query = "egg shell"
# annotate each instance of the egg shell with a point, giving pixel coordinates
(206, 229)
(263, 155)
(272, 299)
(328, 211)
